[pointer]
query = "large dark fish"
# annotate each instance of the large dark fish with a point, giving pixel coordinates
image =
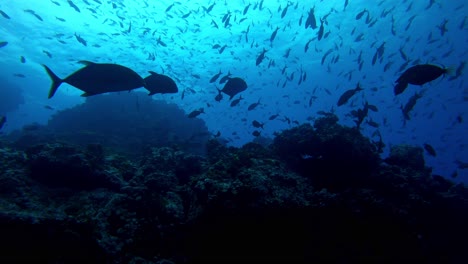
(418, 75)
(98, 78)
(348, 94)
(158, 83)
(234, 86)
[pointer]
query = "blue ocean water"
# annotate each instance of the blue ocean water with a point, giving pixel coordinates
(189, 41)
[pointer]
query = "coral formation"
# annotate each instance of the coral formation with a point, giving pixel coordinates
(317, 194)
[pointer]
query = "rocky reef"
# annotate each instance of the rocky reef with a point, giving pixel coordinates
(126, 122)
(317, 193)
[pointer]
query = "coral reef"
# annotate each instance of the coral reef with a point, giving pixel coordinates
(128, 123)
(316, 194)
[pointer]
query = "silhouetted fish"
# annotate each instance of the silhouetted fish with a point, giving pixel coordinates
(234, 86)
(158, 83)
(2, 121)
(348, 94)
(98, 78)
(418, 75)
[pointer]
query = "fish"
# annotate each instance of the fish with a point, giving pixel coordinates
(273, 35)
(158, 83)
(196, 113)
(261, 57)
(98, 78)
(208, 10)
(34, 14)
(321, 29)
(285, 10)
(160, 42)
(429, 149)
(236, 101)
(72, 5)
(3, 120)
(254, 105)
(225, 78)
(4, 14)
(47, 53)
(3, 44)
(348, 94)
(246, 9)
(311, 21)
(256, 133)
(360, 14)
(48, 107)
(257, 124)
(219, 96)
(458, 71)
(81, 40)
(215, 77)
(410, 105)
(273, 117)
(234, 86)
(418, 75)
(22, 59)
(187, 15)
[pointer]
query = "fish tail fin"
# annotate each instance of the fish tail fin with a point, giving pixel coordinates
(449, 71)
(56, 81)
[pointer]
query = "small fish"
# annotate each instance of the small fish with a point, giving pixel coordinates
(321, 29)
(348, 94)
(3, 120)
(246, 9)
(80, 40)
(236, 101)
(410, 105)
(273, 117)
(225, 78)
(48, 107)
(257, 124)
(215, 77)
(73, 6)
(430, 150)
(260, 57)
(254, 105)
(160, 42)
(256, 133)
(273, 35)
(20, 75)
(47, 53)
(360, 14)
(3, 44)
(4, 14)
(196, 113)
(22, 59)
(219, 96)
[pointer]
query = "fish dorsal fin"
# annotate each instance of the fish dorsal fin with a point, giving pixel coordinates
(153, 73)
(85, 62)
